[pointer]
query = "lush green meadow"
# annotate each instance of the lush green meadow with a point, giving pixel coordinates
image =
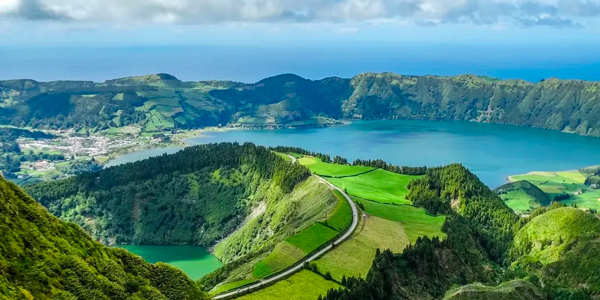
(519, 201)
(304, 285)
(310, 239)
(379, 185)
(296, 247)
(415, 220)
(559, 183)
(341, 216)
(328, 169)
(354, 257)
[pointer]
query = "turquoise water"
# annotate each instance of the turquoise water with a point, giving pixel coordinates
(193, 260)
(491, 151)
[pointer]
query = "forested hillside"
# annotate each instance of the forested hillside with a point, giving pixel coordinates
(42, 257)
(196, 196)
(486, 244)
(162, 102)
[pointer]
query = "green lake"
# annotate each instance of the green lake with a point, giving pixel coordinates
(195, 261)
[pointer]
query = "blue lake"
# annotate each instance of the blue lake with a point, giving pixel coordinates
(491, 151)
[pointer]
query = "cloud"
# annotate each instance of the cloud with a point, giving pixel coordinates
(524, 13)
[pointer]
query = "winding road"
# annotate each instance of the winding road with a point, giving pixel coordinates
(299, 266)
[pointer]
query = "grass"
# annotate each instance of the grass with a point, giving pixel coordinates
(283, 256)
(304, 285)
(310, 239)
(519, 201)
(570, 182)
(284, 156)
(230, 286)
(326, 169)
(355, 256)
(341, 216)
(556, 228)
(415, 220)
(379, 185)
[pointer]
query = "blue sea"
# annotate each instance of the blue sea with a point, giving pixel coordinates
(251, 63)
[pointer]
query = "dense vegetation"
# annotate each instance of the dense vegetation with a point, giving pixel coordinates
(554, 251)
(196, 196)
(42, 257)
(162, 102)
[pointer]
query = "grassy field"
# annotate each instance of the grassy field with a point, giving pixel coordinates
(519, 201)
(341, 216)
(321, 168)
(415, 220)
(311, 238)
(571, 182)
(283, 256)
(355, 256)
(379, 185)
(553, 182)
(304, 285)
(230, 286)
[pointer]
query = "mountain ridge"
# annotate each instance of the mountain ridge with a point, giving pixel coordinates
(162, 102)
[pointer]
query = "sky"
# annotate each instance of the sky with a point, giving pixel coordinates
(64, 39)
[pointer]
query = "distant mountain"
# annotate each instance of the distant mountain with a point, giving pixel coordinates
(162, 102)
(42, 257)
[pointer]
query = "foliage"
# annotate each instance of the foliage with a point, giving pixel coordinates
(171, 199)
(523, 196)
(11, 154)
(42, 257)
(511, 290)
(162, 102)
(453, 187)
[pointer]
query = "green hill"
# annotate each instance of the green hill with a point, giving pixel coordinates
(513, 290)
(257, 212)
(561, 246)
(196, 196)
(523, 196)
(42, 257)
(162, 102)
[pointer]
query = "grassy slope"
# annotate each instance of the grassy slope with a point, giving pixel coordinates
(379, 185)
(283, 256)
(283, 216)
(512, 290)
(569, 182)
(310, 203)
(341, 216)
(304, 285)
(327, 169)
(355, 256)
(295, 247)
(547, 236)
(311, 238)
(523, 196)
(415, 220)
(42, 257)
